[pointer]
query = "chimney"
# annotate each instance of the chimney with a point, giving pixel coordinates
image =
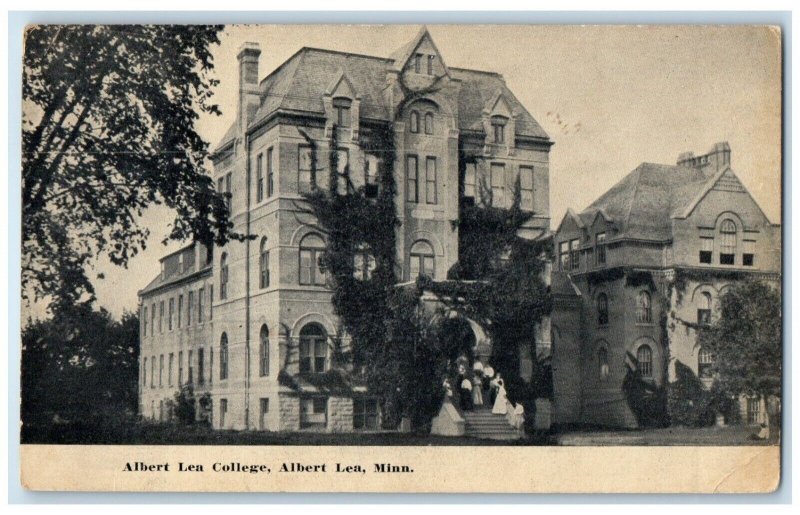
(249, 98)
(717, 159)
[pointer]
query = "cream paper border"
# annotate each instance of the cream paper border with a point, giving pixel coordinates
(506, 469)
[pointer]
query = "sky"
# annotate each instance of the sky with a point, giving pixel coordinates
(610, 97)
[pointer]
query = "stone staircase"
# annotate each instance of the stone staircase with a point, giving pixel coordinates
(482, 423)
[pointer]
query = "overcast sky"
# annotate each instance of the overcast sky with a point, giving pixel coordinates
(637, 94)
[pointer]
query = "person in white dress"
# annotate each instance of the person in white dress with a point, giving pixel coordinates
(500, 401)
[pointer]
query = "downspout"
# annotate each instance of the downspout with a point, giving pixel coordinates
(247, 289)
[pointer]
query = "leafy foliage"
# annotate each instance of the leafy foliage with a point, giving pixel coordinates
(79, 365)
(498, 283)
(108, 130)
(184, 405)
(691, 404)
(746, 340)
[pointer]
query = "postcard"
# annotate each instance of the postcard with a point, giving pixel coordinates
(396, 258)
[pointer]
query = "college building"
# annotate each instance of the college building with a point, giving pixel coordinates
(639, 270)
(250, 323)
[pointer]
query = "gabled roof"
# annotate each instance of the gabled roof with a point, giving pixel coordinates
(404, 53)
(300, 83)
(642, 203)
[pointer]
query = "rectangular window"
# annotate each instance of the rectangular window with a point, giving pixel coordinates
(430, 180)
(223, 410)
(421, 265)
(343, 170)
(498, 182)
(371, 167)
(180, 368)
(264, 269)
(304, 169)
(499, 133)
(171, 313)
(431, 59)
(574, 254)
(706, 249)
(189, 309)
(211, 302)
(365, 414)
(264, 409)
(563, 255)
(190, 367)
(753, 410)
(260, 177)
(469, 181)
(180, 310)
(342, 115)
(270, 174)
(600, 242)
(144, 373)
(153, 319)
(200, 307)
(161, 371)
(170, 367)
(221, 185)
(748, 258)
(526, 187)
(201, 377)
(703, 316)
(161, 316)
(144, 321)
(311, 272)
(412, 172)
(153, 372)
(228, 190)
(418, 63)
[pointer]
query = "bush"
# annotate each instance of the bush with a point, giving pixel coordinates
(185, 408)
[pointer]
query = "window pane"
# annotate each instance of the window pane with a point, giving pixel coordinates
(415, 267)
(411, 171)
(498, 181)
(430, 180)
(469, 180)
(305, 266)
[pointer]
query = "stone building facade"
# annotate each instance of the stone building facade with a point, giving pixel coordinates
(637, 272)
(457, 133)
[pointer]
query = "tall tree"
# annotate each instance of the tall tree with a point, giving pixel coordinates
(109, 118)
(746, 340)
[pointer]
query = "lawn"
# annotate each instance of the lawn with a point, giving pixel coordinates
(727, 435)
(168, 434)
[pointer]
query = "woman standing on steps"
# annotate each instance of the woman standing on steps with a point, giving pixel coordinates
(500, 401)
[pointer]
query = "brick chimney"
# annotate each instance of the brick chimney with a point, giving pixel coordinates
(717, 159)
(249, 99)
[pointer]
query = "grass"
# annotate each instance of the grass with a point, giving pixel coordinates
(701, 436)
(169, 434)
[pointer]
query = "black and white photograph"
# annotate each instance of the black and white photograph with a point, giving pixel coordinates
(459, 238)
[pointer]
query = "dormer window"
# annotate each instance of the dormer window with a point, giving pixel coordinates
(414, 122)
(342, 108)
(418, 63)
(499, 129)
(431, 59)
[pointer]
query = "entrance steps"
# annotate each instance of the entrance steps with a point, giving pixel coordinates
(482, 423)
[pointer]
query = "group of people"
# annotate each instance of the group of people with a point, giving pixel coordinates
(480, 386)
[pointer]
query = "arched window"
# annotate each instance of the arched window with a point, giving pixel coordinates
(644, 312)
(341, 106)
(644, 357)
(313, 349)
(263, 352)
(223, 276)
(263, 264)
(428, 123)
(727, 249)
(705, 360)
(422, 260)
(414, 121)
(312, 248)
(704, 309)
(602, 309)
(499, 128)
(223, 357)
(602, 362)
